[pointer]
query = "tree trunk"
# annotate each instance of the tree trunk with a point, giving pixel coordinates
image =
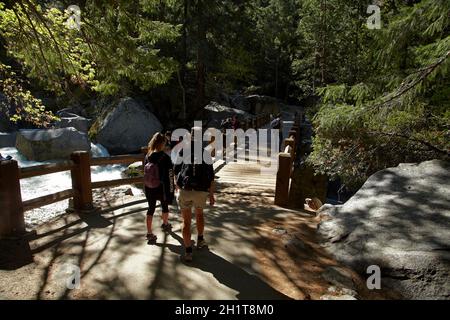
(182, 74)
(201, 47)
(277, 62)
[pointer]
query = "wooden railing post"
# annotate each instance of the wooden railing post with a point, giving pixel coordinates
(290, 142)
(81, 181)
(283, 179)
(12, 221)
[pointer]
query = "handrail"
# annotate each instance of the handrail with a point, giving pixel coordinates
(122, 159)
(286, 163)
(47, 199)
(40, 170)
(116, 182)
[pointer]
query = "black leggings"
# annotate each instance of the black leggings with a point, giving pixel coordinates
(152, 196)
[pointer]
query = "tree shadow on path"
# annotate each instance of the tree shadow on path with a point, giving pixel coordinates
(247, 285)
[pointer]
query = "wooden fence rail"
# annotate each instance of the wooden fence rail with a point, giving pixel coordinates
(12, 223)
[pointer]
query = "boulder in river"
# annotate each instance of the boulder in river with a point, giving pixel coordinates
(73, 120)
(49, 144)
(7, 139)
(127, 127)
(400, 221)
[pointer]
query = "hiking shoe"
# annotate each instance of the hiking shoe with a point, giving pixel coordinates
(151, 238)
(166, 227)
(187, 257)
(201, 244)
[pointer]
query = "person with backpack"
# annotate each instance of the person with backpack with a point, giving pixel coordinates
(159, 183)
(195, 179)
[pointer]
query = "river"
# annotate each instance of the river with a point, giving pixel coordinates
(47, 184)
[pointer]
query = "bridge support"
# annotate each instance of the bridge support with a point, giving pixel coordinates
(12, 221)
(283, 179)
(81, 182)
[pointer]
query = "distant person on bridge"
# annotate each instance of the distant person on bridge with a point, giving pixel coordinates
(196, 183)
(159, 183)
(235, 123)
(277, 123)
(225, 124)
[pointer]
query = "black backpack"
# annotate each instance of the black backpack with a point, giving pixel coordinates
(196, 177)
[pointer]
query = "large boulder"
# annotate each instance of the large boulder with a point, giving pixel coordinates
(256, 104)
(400, 221)
(68, 120)
(49, 144)
(7, 139)
(217, 112)
(127, 128)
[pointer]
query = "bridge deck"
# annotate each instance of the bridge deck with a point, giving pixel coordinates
(249, 177)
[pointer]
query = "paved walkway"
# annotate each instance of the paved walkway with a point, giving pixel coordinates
(116, 262)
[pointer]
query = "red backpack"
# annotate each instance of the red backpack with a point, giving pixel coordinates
(151, 175)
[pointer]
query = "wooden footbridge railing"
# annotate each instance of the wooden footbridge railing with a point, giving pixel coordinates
(286, 161)
(12, 207)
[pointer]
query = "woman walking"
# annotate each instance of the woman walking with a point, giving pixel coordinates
(159, 183)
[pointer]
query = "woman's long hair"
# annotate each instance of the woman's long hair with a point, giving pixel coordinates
(157, 143)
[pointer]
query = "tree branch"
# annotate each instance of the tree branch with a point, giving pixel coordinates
(409, 138)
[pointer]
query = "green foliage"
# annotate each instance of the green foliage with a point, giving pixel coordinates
(399, 112)
(117, 44)
(19, 104)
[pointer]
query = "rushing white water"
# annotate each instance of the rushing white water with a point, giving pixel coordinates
(47, 184)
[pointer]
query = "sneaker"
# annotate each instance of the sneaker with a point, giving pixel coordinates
(201, 244)
(151, 238)
(188, 256)
(166, 227)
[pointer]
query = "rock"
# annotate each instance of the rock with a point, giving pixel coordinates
(279, 231)
(293, 243)
(127, 128)
(8, 140)
(341, 297)
(338, 277)
(306, 184)
(48, 144)
(73, 109)
(256, 104)
(135, 169)
(262, 104)
(73, 120)
(342, 291)
(399, 220)
(129, 192)
(314, 203)
(217, 112)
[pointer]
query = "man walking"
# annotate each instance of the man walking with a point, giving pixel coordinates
(195, 179)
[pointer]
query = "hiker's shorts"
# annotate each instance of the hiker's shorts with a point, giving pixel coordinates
(191, 198)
